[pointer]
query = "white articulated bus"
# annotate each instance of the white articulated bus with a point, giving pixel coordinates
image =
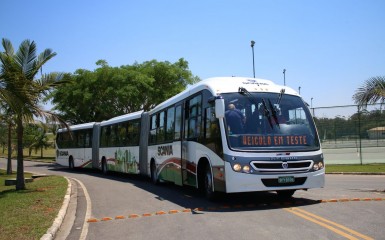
(74, 149)
(226, 134)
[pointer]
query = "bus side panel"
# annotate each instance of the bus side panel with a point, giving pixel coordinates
(168, 161)
(215, 161)
(80, 156)
(62, 156)
(121, 159)
(86, 162)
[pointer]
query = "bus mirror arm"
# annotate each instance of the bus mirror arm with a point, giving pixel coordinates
(219, 107)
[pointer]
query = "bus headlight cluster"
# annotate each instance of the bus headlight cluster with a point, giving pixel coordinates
(318, 166)
(239, 168)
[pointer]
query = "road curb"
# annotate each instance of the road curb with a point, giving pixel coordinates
(51, 232)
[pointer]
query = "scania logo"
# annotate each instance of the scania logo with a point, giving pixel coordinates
(285, 165)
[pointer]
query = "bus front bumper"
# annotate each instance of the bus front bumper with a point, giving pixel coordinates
(252, 182)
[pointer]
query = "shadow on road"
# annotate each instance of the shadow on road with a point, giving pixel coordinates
(192, 198)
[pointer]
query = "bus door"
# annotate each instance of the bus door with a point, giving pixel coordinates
(180, 144)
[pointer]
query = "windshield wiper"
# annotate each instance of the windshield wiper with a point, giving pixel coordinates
(266, 111)
(280, 96)
(274, 113)
(244, 91)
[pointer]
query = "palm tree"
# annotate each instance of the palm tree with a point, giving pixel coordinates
(40, 139)
(22, 90)
(372, 91)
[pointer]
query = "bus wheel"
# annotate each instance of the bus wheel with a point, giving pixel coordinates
(208, 184)
(284, 194)
(71, 164)
(104, 167)
(154, 177)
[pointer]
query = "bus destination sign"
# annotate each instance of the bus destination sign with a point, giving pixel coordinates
(271, 141)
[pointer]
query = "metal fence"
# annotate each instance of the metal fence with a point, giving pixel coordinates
(350, 134)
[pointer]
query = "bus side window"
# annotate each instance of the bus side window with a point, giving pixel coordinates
(134, 132)
(152, 135)
(210, 122)
(59, 140)
(195, 117)
(87, 140)
(178, 122)
(170, 119)
(106, 136)
(80, 139)
(67, 139)
(123, 134)
(186, 118)
(160, 135)
(103, 137)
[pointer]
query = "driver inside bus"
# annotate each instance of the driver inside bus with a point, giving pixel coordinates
(235, 119)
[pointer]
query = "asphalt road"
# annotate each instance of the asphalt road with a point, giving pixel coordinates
(130, 207)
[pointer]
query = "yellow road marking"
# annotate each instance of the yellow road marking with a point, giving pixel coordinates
(333, 226)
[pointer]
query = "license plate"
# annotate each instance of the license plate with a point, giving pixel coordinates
(286, 179)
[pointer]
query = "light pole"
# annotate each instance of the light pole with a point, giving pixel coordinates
(252, 49)
(284, 77)
(311, 102)
(299, 90)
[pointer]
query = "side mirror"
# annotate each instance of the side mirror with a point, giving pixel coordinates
(219, 107)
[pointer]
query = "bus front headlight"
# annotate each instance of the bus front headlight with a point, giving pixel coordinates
(246, 169)
(237, 167)
(318, 166)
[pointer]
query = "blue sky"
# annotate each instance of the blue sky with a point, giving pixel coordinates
(328, 48)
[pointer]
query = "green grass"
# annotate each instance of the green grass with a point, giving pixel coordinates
(370, 168)
(48, 155)
(27, 214)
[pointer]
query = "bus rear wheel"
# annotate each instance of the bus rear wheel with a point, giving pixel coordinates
(71, 164)
(154, 177)
(104, 167)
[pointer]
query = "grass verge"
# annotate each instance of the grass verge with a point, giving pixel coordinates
(48, 155)
(27, 214)
(366, 168)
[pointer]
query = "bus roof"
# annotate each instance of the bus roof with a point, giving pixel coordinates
(79, 127)
(220, 85)
(123, 118)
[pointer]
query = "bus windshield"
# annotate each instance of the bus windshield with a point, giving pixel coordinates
(268, 122)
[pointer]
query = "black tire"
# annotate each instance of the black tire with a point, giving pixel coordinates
(104, 167)
(154, 176)
(285, 194)
(208, 184)
(71, 164)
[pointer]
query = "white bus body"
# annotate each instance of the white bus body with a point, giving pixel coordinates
(284, 157)
(75, 149)
(192, 139)
(119, 144)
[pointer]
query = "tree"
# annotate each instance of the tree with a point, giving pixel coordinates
(372, 91)
(39, 139)
(111, 91)
(22, 89)
(7, 118)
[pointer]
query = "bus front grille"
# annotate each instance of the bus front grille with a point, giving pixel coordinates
(282, 166)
